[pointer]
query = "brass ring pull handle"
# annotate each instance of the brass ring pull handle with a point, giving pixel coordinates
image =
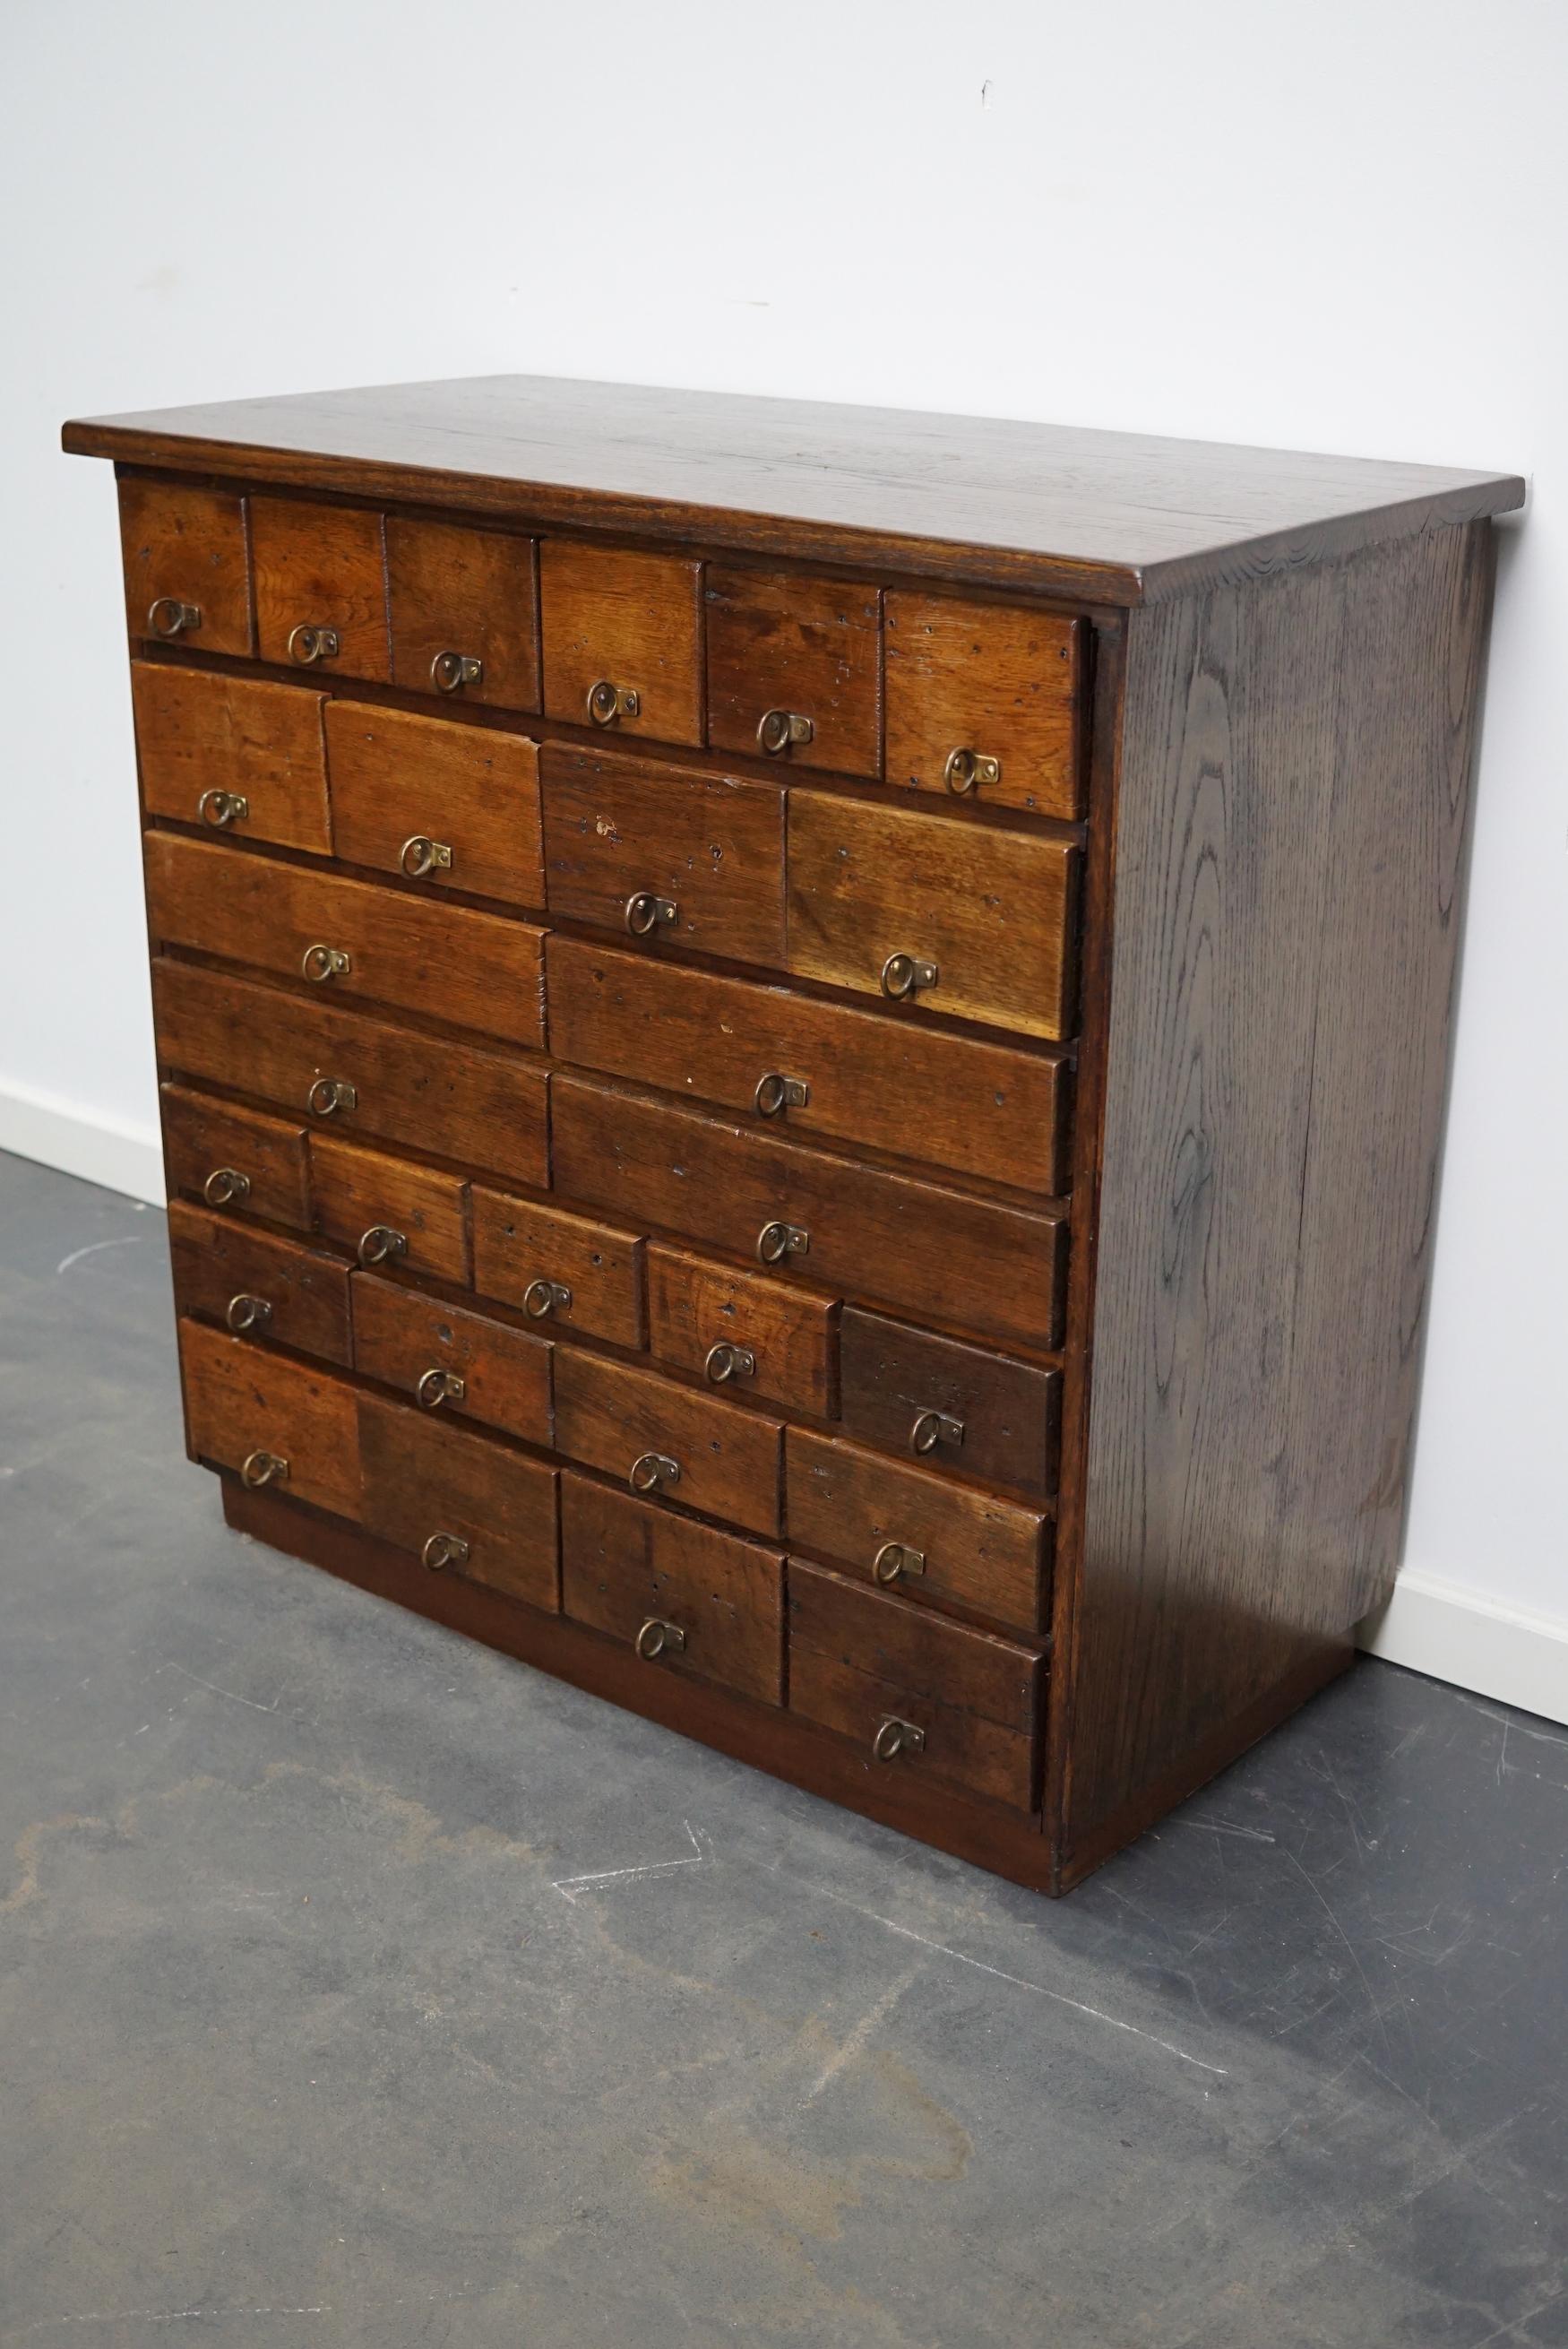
(935, 1427)
(261, 1468)
(380, 1243)
(319, 963)
(775, 1094)
(438, 1386)
(307, 646)
(329, 1094)
(167, 617)
(966, 769)
(443, 1550)
(247, 1313)
(895, 1736)
(776, 1241)
(421, 854)
(607, 702)
(651, 1469)
(644, 912)
(542, 1298)
(725, 1362)
(781, 730)
(657, 1637)
(225, 1186)
(449, 672)
(903, 975)
(895, 1559)
(220, 808)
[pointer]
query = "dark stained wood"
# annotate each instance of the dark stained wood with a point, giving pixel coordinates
(812, 646)
(470, 591)
(623, 1563)
(203, 1138)
(696, 1304)
(993, 910)
(198, 733)
(894, 1084)
(397, 776)
(357, 1190)
(321, 566)
(305, 1290)
(519, 1243)
(622, 616)
(421, 1479)
(1004, 679)
(995, 1271)
(399, 1335)
(242, 1398)
(188, 545)
(610, 1414)
(890, 1375)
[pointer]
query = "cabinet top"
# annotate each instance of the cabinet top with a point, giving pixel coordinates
(1113, 517)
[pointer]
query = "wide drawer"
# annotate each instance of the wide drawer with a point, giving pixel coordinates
(237, 754)
(964, 1263)
(794, 668)
(237, 1159)
(451, 1360)
(750, 1332)
(985, 700)
(824, 1070)
(465, 612)
(622, 634)
(913, 1690)
(320, 588)
(258, 1285)
(386, 1211)
(560, 1268)
(187, 571)
(685, 1598)
(452, 807)
(961, 916)
(669, 1440)
(274, 1420)
(462, 1503)
(957, 1406)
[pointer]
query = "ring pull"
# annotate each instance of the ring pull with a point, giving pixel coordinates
(261, 1468)
(644, 912)
(225, 1186)
(438, 1387)
(608, 703)
(725, 1362)
(935, 1427)
(775, 1094)
(657, 1637)
(220, 808)
(542, 1298)
(449, 672)
(168, 617)
(895, 1736)
(781, 730)
(776, 1241)
(247, 1313)
(903, 975)
(443, 1550)
(379, 1243)
(651, 1469)
(330, 1094)
(421, 854)
(319, 963)
(895, 1559)
(307, 646)
(966, 769)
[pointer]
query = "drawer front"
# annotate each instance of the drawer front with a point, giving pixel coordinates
(708, 1319)
(320, 588)
(613, 1417)
(956, 1406)
(236, 1159)
(992, 910)
(187, 570)
(565, 1271)
(452, 807)
(461, 596)
(460, 1363)
(621, 634)
(269, 1289)
(782, 648)
(873, 1669)
(295, 1427)
(349, 938)
(465, 1505)
(386, 1211)
(893, 1084)
(903, 1527)
(240, 755)
(688, 1599)
(997, 1271)
(427, 1093)
(620, 835)
(973, 687)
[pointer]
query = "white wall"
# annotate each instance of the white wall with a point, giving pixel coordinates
(1338, 227)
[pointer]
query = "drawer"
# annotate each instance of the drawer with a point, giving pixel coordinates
(702, 1314)
(688, 1599)
(992, 1109)
(465, 613)
(237, 754)
(386, 1211)
(991, 910)
(613, 1417)
(909, 1392)
(462, 1503)
(784, 648)
(258, 1284)
(320, 588)
(969, 1264)
(973, 687)
(563, 1269)
(454, 1101)
(187, 571)
(236, 1159)
(662, 854)
(875, 1671)
(453, 807)
(349, 937)
(622, 637)
(934, 1538)
(274, 1420)
(463, 1364)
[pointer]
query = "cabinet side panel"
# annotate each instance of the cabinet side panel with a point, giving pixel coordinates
(1295, 781)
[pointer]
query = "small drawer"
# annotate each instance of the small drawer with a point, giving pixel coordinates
(672, 1443)
(665, 855)
(273, 1421)
(463, 1504)
(386, 1211)
(451, 1361)
(565, 1271)
(349, 938)
(465, 613)
(747, 1331)
(383, 1083)
(933, 1539)
(913, 1692)
(452, 807)
(984, 701)
(956, 1406)
(622, 634)
(685, 1598)
(259, 1286)
(962, 917)
(320, 588)
(794, 669)
(239, 755)
(236, 1159)
(187, 572)
(827, 1070)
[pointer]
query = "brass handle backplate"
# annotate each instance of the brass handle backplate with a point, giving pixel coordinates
(262, 1468)
(220, 808)
(225, 1186)
(966, 769)
(381, 1242)
(542, 1298)
(449, 672)
(330, 1094)
(657, 1637)
(775, 1093)
(644, 912)
(781, 730)
(725, 1362)
(319, 963)
(247, 1313)
(421, 854)
(444, 1549)
(895, 1736)
(935, 1427)
(608, 703)
(895, 1559)
(903, 975)
(651, 1469)
(438, 1386)
(307, 646)
(776, 1241)
(167, 616)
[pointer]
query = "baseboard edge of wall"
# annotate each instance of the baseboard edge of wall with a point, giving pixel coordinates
(112, 1152)
(1455, 1634)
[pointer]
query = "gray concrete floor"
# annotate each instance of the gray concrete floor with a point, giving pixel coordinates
(359, 1986)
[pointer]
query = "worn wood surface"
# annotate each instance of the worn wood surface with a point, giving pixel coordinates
(624, 617)
(696, 1304)
(892, 1374)
(397, 776)
(321, 566)
(188, 544)
(197, 732)
(475, 592)
(611, 1414)
(400, 1334)
(519, 1243)
(203, 1138)
(812, 646)
(354, 1189)
(241, 1399)
(1003, 679)
(305, 1290)
(421, 1479)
